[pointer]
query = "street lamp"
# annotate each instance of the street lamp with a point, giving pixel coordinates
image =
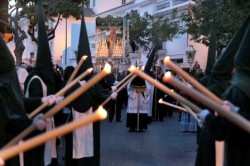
(190, 53)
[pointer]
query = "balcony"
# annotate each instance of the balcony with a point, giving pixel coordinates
(177, 2)
(169, 4)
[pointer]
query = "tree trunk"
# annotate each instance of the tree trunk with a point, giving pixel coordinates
(19, 51)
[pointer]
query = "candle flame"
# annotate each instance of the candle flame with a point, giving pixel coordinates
(101, 112)
(132, 68)
(90, 69)
(160, 101)
(84, 57)
(168, 74)
(166, 60)
(107, 68)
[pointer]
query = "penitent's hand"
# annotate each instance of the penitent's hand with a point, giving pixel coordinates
(38, 123)
(113, 88)
(202, 115)
(51, 99)
(230, 106)
(82, 83)
(114, 95)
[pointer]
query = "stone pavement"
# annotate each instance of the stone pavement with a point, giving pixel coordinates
(161, 145)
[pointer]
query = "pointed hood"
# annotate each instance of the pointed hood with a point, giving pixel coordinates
(7, 67)
(211, 54)
(44, 65)
(222, 70)
(212, 49)
(241, 77)
(7, 61)
(83, 48)
(150, 60)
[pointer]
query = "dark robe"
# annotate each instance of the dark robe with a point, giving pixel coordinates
(34, 156)
(13, 118)
(237, 144)
(158, 109)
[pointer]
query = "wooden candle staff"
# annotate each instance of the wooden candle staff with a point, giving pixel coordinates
(172, 105)
(10, 152)
(61, 92)
(77, 68)
(65, 102)
(191, 80)
(201, 88)
(124, 79)
(186, 109)
(194, 115)
(164, 89)
(119, 89)
(208, 102)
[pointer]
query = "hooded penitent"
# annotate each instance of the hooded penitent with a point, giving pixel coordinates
(7, 67)
(150, 60)
(222, 70)
(138, 82)
(11, 106)
(83, 49)
(44, 65)
(241, 77)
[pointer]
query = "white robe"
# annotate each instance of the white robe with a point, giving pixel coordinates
(138, 101)
(83, 142)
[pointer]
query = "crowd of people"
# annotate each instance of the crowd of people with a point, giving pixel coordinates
(22, 91)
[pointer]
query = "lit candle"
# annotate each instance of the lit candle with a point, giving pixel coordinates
(172, 105)
(165, 89)
(194, 115)
(61, 92)
(208, 102)
(77, 68)
(106, 70)
(191, 80)
(186, 109)
(201, 88)
(10, 152)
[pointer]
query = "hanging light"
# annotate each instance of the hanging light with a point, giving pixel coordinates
(6, 32)
(190, 53)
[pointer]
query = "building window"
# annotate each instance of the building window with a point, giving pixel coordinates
(123, 2)
(163, 6)
(177, 2)
(93, 3)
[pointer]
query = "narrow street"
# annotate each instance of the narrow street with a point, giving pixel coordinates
(161, 145)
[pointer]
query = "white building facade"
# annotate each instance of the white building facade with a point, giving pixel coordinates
(176, 49)
(65, 43)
